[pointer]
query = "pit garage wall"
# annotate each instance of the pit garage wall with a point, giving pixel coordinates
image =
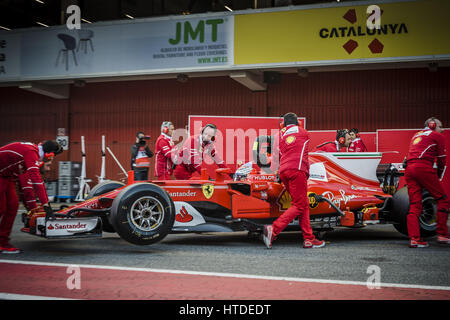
(369, 100)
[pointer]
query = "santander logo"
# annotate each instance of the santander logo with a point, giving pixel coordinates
(183, 216)
(58, 226)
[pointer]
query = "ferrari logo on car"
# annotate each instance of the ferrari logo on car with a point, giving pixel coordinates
(417, 140)
(208, 190)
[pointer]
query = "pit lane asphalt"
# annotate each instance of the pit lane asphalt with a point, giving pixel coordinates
(347, 255)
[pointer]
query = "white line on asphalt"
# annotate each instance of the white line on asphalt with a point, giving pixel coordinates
(229, 275)
(12, 296)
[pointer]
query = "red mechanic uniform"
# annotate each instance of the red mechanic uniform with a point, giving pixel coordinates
(29, 199)
(425, 148)
(15, 159)
(293, 143)
(164, 149)
(357, 145)
(332, 146)
(191, 156)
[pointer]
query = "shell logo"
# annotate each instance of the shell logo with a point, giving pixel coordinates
(290, 139)
(285, 200)
(417, 140)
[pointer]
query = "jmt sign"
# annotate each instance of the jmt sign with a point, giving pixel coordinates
(186, 31)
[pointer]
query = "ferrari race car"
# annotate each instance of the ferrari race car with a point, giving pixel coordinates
(350, 190)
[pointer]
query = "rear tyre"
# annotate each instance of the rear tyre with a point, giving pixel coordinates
(427, 219)
(143, 213)
(102, 188)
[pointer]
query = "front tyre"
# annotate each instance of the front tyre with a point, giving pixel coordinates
(142, 213)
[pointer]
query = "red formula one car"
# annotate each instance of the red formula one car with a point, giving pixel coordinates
(345, 190)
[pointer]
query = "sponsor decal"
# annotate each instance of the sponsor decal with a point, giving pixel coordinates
(290, 139)
(188, 193)
(208, 190)
(285, 200)
(262, 177)
(183, 216)
(341, 198)
(417, 140)
(364, 188)
(312, 200)
(58, 226)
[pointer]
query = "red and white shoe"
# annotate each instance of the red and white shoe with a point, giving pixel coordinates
(308, 244)
(418, 244)
(9, 249)
(443, 240)
(268, 236)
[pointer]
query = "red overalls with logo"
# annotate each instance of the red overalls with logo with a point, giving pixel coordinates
(15, 159)
(293, 144)
(190, 157)
(426, 146)
(357, 145)
(164, 152)
(331, 146)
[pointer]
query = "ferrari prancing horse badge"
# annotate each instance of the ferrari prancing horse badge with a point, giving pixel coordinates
(208, 190)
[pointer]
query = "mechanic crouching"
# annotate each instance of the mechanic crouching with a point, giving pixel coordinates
(292, 144)
(21, 158)
(190, 157)
(426, 147)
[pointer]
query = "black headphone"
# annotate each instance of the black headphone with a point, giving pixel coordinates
(340, 136)
(431, 123)
(210, 125)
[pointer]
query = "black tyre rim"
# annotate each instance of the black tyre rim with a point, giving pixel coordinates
(428, 217)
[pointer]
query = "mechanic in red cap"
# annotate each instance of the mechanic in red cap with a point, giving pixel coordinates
(190, 157)
(426, 147)
(164, 149)
(21, 158)
(292, 146)
(342, 142)
(357, 145)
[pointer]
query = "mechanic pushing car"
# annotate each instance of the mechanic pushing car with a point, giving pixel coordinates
(357, 145)
(426, 147)
(342, 141)
(190, 157)
(26, 185)
(292, 146)
(165, 152)
(15, 159)
(140, 157)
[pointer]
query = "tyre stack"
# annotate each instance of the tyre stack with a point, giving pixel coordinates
(68, 185)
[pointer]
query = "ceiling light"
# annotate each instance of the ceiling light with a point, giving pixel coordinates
(40, 1)
(228, 8)
(128, 16)
(5, 28)
(42, 24)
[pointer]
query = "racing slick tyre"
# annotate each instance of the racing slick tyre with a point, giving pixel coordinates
(102, 188)
(143, 213)
(427, 219)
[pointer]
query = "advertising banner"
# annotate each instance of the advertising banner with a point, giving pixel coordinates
(335, 32)
(121, 48)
